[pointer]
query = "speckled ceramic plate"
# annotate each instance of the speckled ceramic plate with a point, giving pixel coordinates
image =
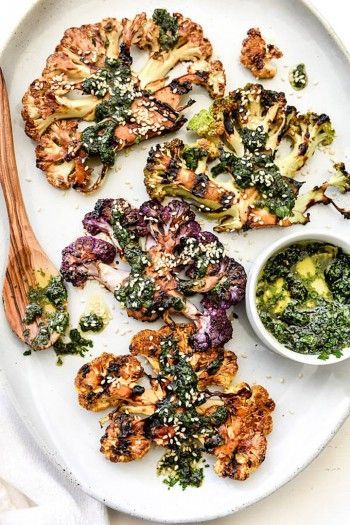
(311, 402)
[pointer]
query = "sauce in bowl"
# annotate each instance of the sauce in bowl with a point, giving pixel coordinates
(303, 298)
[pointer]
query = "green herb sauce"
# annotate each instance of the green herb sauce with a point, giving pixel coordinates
(115, 80)
(192, 156)
(74, 345)
(168, 28)
(91, 323)
(298, 77)
(303, 298)
(47, 308)
(257, 169)
(183, 462)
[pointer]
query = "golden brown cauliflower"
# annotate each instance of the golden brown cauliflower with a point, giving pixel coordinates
(42, 106)
(215, 366)
(107, 380)
(182, 414)
(90, 77)
(244, 432)
(60, 156)
(124, 439)
(256, 55)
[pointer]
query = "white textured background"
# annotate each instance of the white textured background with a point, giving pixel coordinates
(321, 494)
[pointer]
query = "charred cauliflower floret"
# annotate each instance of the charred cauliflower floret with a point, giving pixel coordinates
(170, 259)
(60, 156)
(306, 133)
(254, 118)
(248, 118)
(215, 366)
(213, 74)
(187, 415)
(180, 40)
(42, 106)
(256, 55)
(107, 380)
(90, 77)
(243, 434)
(124, 439)
(91, 258)
(87, 42)
(240, 137)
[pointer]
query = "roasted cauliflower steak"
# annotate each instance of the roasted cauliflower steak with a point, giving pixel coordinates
(167, 259)
(237, 173)
(189, 406)
(90, 78)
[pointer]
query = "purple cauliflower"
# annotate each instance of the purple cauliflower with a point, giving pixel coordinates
(89, 258)
(213, 326)
(170, 259)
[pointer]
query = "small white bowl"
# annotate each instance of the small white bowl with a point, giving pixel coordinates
(266, 337)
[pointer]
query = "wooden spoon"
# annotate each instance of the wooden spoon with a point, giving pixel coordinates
(26, 258)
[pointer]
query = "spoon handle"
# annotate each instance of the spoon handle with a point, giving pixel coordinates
(18, 219)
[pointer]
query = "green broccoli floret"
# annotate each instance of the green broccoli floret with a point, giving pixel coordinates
(203, 123)
(168, 28)
(307, 132)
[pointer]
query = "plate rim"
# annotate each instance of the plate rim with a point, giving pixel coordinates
(53, 454)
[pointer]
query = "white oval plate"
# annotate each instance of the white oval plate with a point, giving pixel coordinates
(311, 402)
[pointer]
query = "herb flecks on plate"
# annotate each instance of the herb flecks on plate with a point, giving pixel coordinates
(236, 173)
(177, 410)
(303, 298)
(91, 322)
